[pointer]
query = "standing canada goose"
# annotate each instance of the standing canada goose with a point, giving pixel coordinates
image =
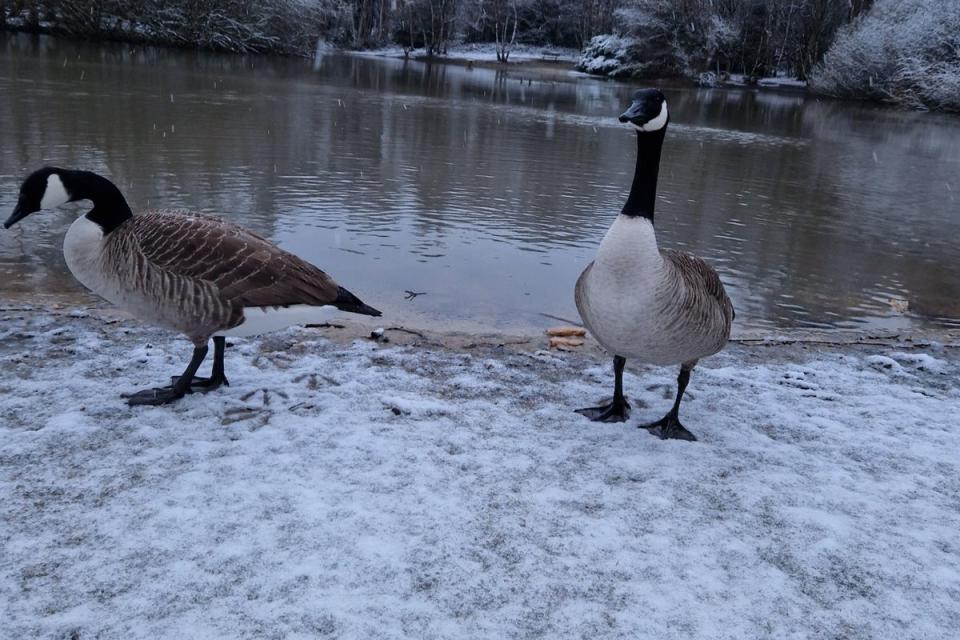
(660, 307)
(198, 275)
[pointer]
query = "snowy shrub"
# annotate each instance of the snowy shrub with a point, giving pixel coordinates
(606, 55)
(647, 51)
(653, 25)
(902, 51)
(708, 79)
(660, 38)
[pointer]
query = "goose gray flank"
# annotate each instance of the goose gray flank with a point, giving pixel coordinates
(640, 302)
(199, 275)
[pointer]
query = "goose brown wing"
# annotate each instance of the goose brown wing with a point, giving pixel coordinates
(703, 282)
(247, 269)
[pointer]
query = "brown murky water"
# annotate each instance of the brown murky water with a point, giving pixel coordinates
(489, 190)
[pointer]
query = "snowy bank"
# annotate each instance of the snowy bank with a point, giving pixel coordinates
(483, 52)
(739, 80)
(360, 490)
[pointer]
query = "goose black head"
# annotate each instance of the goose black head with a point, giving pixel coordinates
(648, 112)
(43, 189)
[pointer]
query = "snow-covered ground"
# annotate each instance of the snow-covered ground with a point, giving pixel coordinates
(376, 491)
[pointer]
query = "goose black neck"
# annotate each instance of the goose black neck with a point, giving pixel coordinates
(110, 208)
(643, 193)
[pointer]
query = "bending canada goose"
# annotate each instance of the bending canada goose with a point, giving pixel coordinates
(198, 275)
(661, 307)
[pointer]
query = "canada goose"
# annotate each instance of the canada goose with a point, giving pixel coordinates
(661, 307)
(198, 275)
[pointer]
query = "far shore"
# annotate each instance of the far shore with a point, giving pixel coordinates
(540, 60)
(553, 61)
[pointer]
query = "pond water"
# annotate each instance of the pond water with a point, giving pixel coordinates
(487, 190)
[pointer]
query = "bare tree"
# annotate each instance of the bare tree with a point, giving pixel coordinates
(430, 22)
(506, 10)
(502, 17)
(443, 15)
(369, 21)
(592, 17)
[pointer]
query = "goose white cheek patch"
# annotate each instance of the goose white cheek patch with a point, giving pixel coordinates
(657, 123)
(55, 194)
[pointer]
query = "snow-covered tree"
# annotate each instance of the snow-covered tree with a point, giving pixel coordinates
(752, 37)
(659, 38)
(902, 51)
(286, 26)
(497, 21)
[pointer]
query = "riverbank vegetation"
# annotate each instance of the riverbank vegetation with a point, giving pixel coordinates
(293, 26)
(754, 38)
(279, 26)
(901, 51)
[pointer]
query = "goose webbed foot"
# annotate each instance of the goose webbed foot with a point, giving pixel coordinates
(204, 385)
(181, 384)
(613, 412)
(155, 397)
(669, 428)
(619, 409)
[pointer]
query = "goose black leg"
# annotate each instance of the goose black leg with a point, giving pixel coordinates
(165, 395)
(669, 427)
(619, 409)
(217, 378)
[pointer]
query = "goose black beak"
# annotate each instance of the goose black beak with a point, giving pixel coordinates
(635, 110)
(19, 213)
